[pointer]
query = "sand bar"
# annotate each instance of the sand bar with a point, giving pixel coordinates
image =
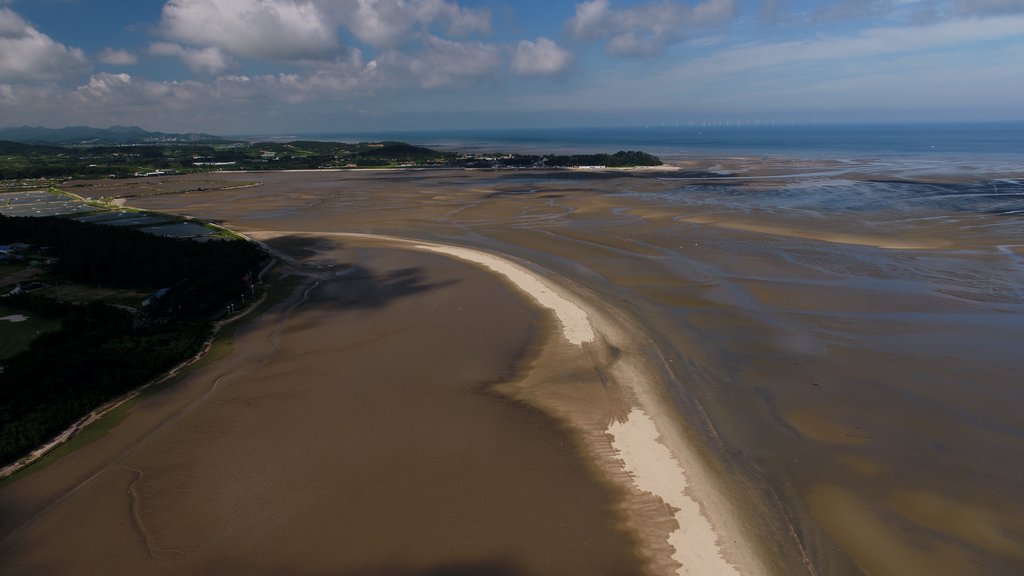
(650, 465)
(575, 325)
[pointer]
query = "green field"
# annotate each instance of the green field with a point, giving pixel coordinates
(16, 336)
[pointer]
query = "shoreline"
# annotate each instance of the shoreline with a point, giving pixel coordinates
(684, 523)
(154, 461)
(776, 349)
(100, 412)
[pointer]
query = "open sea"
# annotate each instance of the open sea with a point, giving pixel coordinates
(997, 142)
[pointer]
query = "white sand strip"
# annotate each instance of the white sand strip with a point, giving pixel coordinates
(576, 326)
(15, 318)
(651, 464)
(661, 465)
(654, 469)
(575, 323)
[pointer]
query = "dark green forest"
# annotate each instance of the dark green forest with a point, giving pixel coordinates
(102, 351)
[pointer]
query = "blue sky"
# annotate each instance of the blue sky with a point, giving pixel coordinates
(293, 66)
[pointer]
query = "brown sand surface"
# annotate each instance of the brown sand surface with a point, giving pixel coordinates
(850, 377)
(353, 432)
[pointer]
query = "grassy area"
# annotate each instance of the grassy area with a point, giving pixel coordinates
(16, 334)
(223, 344)
(89, 434)
(277, 290)
(75, 292)
(11, 275)
(219, 348)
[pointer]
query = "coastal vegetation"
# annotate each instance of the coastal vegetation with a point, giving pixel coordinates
(20, 161)
(92, 352)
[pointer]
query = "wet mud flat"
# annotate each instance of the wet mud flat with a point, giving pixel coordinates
(353, 430)
(841, 343)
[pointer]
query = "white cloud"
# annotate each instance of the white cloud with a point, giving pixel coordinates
(27, 55)
(105, 84)
(392, 23)
(590, 21)
(462, 21)
(441, 63)
(541, 57)
(109, 92)
(345, 77)
(209, 60)
(284, 30)
(380, 24)
(117, 57)
(307, 30)
(645, 29)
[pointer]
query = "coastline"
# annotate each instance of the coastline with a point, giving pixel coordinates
(694, 529)
(186, 456)
(777, 345)
(609, 403)
(100, 412)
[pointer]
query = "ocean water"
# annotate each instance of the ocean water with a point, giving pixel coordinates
(999, 142)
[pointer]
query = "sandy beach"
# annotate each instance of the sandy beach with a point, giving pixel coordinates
(564, 373)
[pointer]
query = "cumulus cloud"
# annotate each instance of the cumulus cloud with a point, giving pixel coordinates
(124, 94)
(27, 55)
(541, 57)
(105, 84)
(348, 76)
(121, 98)
(442, 62)
(117, 57)
(282, 30)
(308, 30)
(112, 91)
(645, 29)
(210, 60)
(391, 23)
(107, 99)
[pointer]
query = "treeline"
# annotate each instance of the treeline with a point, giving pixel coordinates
(102, 351)
(620, 159)
(307, 154)
(98, 354)
(20, 161)
(201, 275)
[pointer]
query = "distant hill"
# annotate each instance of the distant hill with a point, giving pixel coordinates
(87, 136)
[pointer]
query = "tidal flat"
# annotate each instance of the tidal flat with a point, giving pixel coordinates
(834, 349)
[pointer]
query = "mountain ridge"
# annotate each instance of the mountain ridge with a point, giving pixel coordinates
(89, 136)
